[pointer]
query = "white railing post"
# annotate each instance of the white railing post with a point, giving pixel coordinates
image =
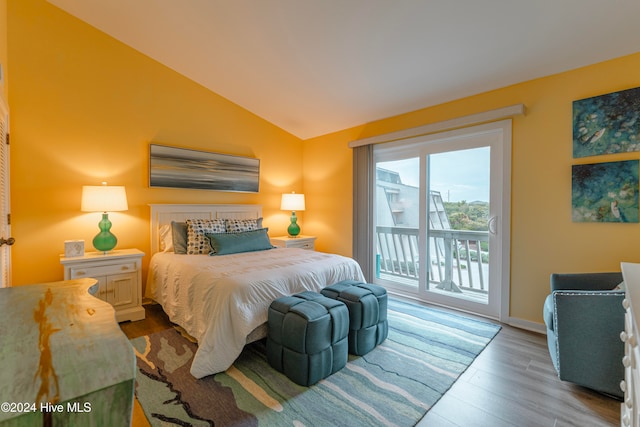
(448, 284)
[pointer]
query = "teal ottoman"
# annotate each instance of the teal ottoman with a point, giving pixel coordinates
(307, 337)
(367, 304)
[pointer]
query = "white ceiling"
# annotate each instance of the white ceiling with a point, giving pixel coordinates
(313, 67)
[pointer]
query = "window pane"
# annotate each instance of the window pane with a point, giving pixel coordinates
(397, 221)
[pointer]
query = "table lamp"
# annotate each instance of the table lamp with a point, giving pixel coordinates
(293, 202)
(104, 198)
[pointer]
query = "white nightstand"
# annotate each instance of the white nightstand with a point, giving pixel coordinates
(302, 242)
(119, 276)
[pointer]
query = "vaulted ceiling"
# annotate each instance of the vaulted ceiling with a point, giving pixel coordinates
(313, 67)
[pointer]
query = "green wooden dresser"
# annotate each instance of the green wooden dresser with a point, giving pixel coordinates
(63, 359)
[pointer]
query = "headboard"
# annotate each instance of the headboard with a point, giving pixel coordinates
(162, 214)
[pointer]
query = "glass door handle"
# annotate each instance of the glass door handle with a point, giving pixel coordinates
(493, 225)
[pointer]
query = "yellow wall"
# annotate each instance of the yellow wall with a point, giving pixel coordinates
(84, 108)
(543, 237)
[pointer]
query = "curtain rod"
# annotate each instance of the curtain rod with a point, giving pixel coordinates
(471, 119)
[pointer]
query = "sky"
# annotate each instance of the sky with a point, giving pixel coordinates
(458, 175)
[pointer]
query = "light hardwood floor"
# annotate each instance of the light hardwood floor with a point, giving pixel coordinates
(511, 383)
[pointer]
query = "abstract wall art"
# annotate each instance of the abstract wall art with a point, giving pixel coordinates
(184, 168)
(605, 192)
(607, 124)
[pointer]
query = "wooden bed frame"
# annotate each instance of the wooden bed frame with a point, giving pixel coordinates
(162, 214)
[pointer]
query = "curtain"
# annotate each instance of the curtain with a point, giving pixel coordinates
(363, 183)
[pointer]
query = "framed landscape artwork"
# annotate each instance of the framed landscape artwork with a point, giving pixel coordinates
(605, 192)
(184, 168)
(607, 124)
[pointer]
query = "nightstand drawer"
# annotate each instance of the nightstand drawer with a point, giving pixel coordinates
(302, 245)
(300, 242)
(80, 272)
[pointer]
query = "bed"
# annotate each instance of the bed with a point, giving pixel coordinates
(222, 301)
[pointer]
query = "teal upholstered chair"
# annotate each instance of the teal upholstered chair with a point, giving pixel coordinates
(584, 318)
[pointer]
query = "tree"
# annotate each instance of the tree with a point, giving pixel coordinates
(468, 216)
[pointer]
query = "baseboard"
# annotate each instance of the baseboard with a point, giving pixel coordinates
(527, 325)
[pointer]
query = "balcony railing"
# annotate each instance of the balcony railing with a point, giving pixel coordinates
(457, 262)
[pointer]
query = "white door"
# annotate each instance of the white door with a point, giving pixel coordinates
(5, 222)
(442, 218)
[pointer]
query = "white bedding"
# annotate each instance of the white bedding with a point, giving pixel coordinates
(219, 300)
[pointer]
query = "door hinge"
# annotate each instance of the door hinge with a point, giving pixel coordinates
(8, 219)
(7, 139)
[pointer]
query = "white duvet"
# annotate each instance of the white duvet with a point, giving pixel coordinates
(219, 300)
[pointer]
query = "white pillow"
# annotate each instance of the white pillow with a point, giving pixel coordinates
(166, 238)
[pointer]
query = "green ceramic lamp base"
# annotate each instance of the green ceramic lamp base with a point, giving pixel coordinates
(104, 240)
(294, 228)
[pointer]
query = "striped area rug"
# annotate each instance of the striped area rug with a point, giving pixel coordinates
(394, 385)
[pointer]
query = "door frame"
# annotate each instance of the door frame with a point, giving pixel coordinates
(500, 189)
(5, 195)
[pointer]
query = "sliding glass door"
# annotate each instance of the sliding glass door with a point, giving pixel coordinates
(439, 225)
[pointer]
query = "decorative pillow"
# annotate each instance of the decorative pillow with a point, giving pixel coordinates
(166, 238)
(197, 242)
(245, 241)
(179, 236)
(238, 225)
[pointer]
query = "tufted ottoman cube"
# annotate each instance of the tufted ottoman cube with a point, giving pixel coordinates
(307, 337)
(367, 304)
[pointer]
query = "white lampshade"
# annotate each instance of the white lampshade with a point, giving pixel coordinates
(292, 202)
(103, 198)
